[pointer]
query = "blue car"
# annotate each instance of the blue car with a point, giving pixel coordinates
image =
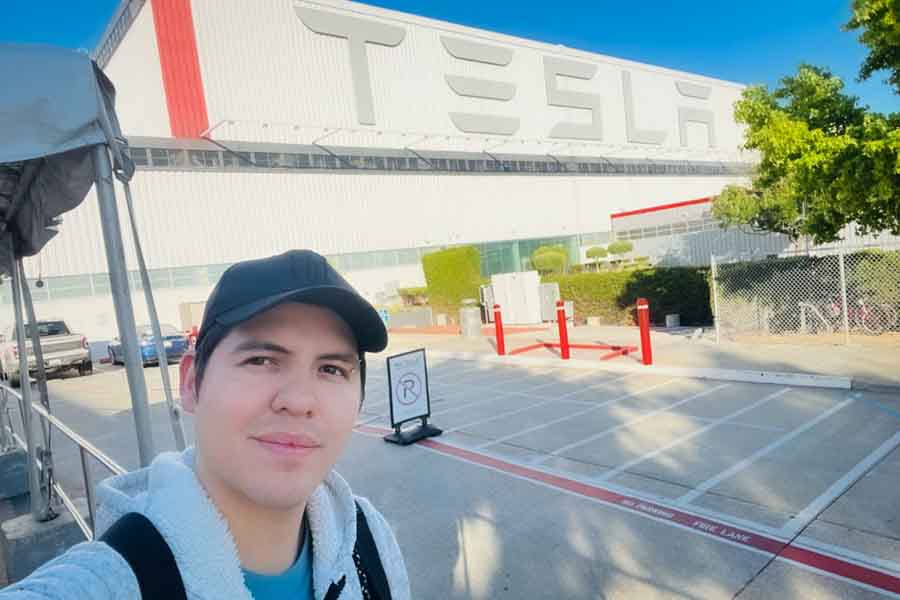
(176, 344)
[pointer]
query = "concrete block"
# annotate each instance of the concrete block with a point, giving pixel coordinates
(28, 544)
(13, 473)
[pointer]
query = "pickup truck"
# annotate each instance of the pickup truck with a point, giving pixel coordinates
(62, 349)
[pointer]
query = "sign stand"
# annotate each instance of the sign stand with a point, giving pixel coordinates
(409, 397)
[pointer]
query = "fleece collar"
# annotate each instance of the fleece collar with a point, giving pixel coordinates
(170, 495)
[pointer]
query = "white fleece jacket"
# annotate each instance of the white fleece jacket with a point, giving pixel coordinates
(169, 494)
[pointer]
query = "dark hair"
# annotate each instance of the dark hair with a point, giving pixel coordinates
(205, 348)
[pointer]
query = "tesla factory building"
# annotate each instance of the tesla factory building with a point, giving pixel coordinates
(373, 137)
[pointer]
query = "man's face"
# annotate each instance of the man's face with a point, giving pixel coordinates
(276, 406)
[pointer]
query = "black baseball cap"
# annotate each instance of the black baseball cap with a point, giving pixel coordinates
(252, 287)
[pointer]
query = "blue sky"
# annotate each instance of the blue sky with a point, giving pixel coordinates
(749, 42)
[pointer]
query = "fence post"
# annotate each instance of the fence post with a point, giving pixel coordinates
(563, 331)
(643, 313)
(38, 508)
(844, 308)
(714, 272)
(498, 331)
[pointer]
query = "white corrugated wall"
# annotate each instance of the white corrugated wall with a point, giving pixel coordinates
(260, 63)
(192, 218)
(135, 71)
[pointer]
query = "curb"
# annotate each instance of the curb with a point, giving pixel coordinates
(743, 376)
(881, 388)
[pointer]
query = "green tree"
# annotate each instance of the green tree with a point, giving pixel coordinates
(596, 253)
(550, 259)
(620, 247)
(825, 161)
(879, 22)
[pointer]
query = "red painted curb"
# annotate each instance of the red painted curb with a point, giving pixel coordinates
(810, 558)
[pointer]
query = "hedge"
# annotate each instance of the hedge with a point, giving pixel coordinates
(452, 275)
(612, 295)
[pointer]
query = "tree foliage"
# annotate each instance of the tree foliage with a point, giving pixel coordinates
(825, 161)
(550, 259)
(620, 247)
(597, 252)
(879, 21)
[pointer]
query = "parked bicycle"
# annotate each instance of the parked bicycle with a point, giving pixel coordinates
(861, 315)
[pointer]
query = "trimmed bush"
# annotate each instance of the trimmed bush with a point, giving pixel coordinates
(452, 275)
(612, 295)
(413, 295)
(620, 247)
(597, 252)
(550, 259)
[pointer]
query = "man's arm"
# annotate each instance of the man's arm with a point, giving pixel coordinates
(88, 571)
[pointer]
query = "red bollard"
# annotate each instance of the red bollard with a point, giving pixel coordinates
(498, 331)
(563, 331)
(643, 314)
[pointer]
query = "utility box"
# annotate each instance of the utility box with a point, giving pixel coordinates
(549, 297)
(487, 304)
(519, 297)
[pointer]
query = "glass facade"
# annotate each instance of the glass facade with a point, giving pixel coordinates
(496, 257)
(298, 158)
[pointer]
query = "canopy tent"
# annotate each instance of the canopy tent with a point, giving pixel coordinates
(56, 107)
(58, 128)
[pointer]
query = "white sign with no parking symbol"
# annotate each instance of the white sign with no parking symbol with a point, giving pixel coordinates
(408, 385)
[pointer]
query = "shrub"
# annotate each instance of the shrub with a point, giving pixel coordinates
(620, 247)
(452, 275)
(597, 252)
(612, 295)
(550, 259)
(413, 295)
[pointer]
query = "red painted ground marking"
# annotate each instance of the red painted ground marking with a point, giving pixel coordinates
(524, 349)
(454, 330)
(811, 558)
(618, 353)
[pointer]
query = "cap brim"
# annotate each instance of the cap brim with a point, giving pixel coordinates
(363, 319)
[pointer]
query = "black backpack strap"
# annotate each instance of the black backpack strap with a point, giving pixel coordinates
(368, 564)
(142, 546)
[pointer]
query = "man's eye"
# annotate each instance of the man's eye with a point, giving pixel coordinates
(259, 361)
(336, 370)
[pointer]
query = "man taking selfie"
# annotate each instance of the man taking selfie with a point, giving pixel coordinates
(254, 509)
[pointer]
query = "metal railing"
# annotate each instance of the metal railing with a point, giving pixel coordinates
(9, 439)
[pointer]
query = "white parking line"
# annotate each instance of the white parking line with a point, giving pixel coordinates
(743, 464)
(506, 394)
(801, 519)
(468, 404)
(643, 417)
(458, 373)
(569, 416)
(621, 469)
(536, 404)
(765, 428)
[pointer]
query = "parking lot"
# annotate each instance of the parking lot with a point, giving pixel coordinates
(552, 482)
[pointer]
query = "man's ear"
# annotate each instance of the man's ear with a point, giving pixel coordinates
(188, 382)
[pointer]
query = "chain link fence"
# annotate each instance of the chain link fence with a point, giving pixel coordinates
(837, 296)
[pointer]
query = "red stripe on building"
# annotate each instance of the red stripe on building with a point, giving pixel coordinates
(814, 559)
(651, 209)
(180, 65)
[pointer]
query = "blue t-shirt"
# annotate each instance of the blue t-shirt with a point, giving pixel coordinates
(295, 583)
